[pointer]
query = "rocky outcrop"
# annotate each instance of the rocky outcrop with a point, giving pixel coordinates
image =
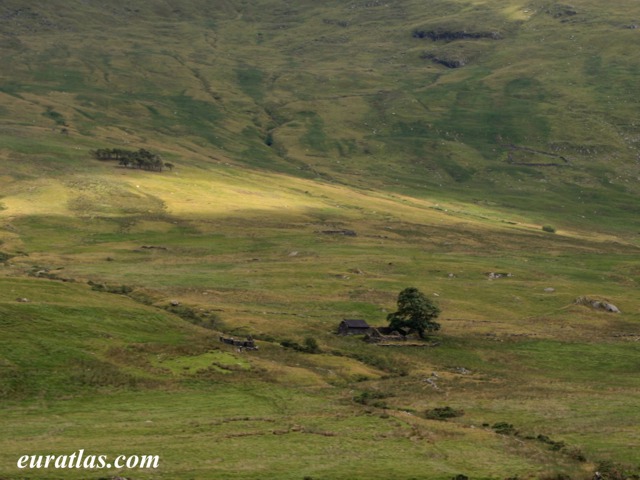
(597, 304)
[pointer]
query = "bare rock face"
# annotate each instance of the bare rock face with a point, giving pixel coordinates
(597, 304)
(609, 307)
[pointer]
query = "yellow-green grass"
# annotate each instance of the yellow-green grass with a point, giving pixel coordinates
(86, 363)
(210, 434)
(240, 263)
(285, 123)
(344, 94)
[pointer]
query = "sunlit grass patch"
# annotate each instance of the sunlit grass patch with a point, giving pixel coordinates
(223, 362)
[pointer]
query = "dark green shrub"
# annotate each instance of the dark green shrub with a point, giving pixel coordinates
(555, 446)
(443, 413)
(504, 428)
(310, 345)
(291, 344)
(576, 454)
(614, 471)
(265, 337)
(208, 320)
(117, 289)
(142, 297)
(97, 287)
(549, 228)
(372, 399)
(183, 312)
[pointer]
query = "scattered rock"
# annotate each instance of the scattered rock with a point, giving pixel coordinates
(597, 304)
(293, 254)
(432, 383)
(175, 303)
(495, 275)
(462, 371)
(549, 290)
(23, 300)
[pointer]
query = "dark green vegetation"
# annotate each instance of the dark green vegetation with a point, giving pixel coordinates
(140, 158)
(416, 313)
(330, 155)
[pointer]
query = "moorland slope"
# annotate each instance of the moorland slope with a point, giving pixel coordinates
(325, 156)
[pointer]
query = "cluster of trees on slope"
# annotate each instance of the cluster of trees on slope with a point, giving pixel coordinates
(142, 158)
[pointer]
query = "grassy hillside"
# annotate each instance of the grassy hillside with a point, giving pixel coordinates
(442, 136)
(543, 100)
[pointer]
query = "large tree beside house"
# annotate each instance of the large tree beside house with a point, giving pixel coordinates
(416, 313)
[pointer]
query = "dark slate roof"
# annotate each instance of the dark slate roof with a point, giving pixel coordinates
(355, 323)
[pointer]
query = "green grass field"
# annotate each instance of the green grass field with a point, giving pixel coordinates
(287, 123)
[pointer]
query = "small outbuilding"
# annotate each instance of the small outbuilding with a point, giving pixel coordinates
(353, 327)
